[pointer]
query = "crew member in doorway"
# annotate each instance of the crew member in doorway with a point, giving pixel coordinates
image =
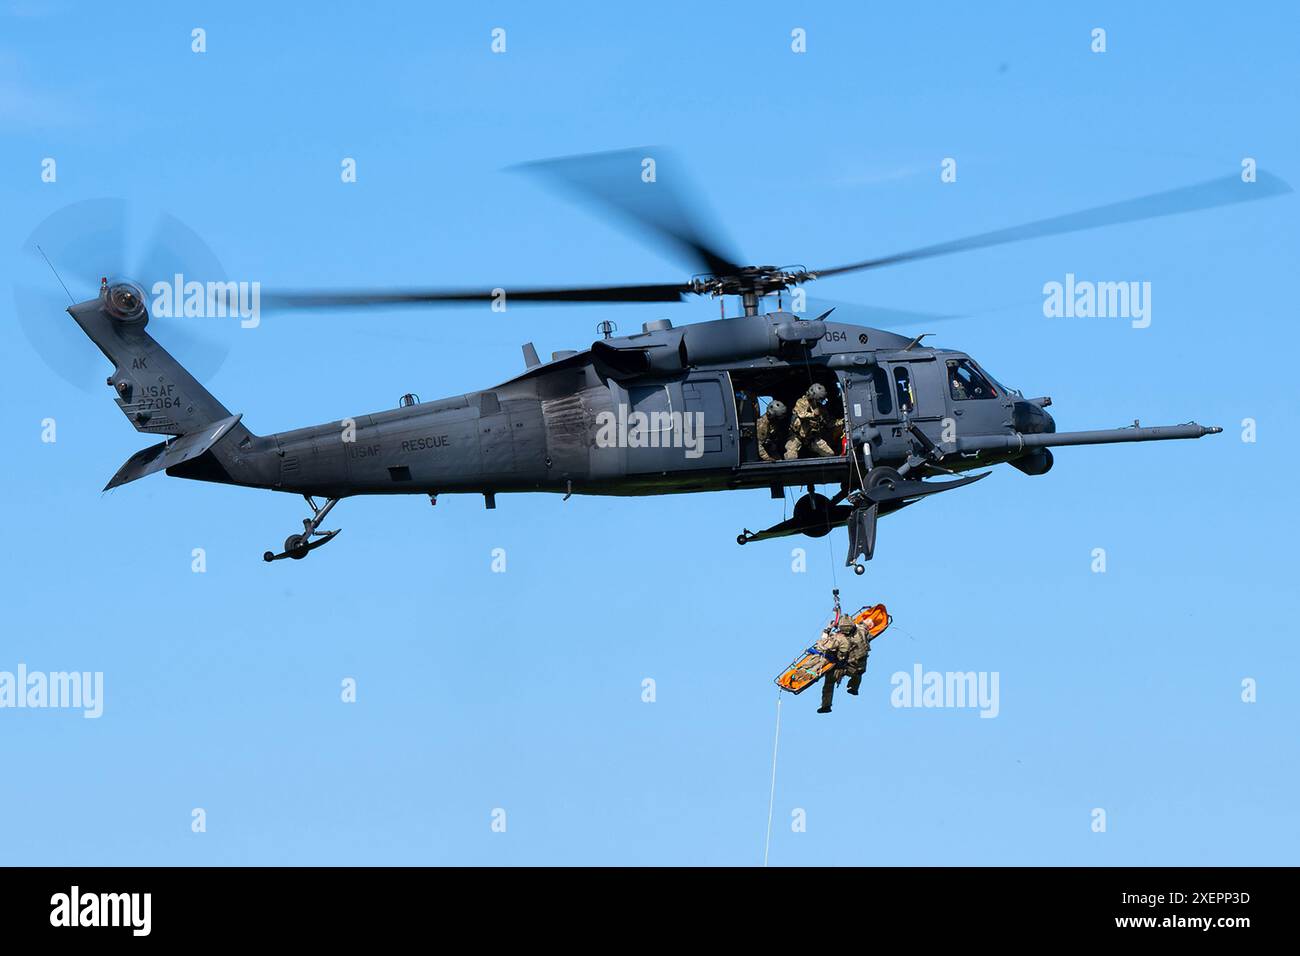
(810, 425)
(773, 430)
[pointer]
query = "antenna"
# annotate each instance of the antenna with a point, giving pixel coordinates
(607, 328)
(71, 300)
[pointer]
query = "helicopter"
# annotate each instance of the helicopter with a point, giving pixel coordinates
(666, 410)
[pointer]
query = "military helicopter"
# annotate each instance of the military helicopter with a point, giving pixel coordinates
(666, 410)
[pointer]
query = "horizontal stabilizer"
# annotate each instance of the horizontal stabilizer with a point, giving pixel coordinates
(168, 454)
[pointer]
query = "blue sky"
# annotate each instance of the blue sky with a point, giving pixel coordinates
(1120, 691)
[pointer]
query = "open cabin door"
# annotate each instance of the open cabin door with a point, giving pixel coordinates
(872, 398)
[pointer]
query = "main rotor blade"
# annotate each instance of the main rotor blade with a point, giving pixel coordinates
(667, 292)
(648, 188)
(875, 317)
(1206, 195)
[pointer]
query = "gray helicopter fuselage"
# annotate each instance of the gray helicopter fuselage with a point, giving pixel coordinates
(542, 430)
(668, 410)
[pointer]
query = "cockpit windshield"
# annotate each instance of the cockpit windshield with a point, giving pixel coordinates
(1002, 389)
(967, 383)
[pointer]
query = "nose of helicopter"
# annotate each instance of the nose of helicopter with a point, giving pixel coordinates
(1030, 418)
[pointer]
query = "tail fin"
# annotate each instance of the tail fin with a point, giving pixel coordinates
(154, 391)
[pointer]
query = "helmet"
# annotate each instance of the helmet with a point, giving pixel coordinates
(847, 623)
(776, 408)
(817, 392)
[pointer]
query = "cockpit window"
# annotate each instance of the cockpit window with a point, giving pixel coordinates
(966, 382)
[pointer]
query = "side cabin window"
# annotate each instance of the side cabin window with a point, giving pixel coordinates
(966, 382)
(655, 404)
(880, 384)
(903, 388)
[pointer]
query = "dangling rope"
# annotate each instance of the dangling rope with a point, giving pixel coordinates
(771, 798)
(899, 627)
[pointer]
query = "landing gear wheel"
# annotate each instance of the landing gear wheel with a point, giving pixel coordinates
(295, 546)
(813, 511)
(298, 546)
(859, 569)
(882, 475)
(742, 539)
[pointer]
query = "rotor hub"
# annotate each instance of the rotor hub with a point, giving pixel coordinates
(750, 281)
